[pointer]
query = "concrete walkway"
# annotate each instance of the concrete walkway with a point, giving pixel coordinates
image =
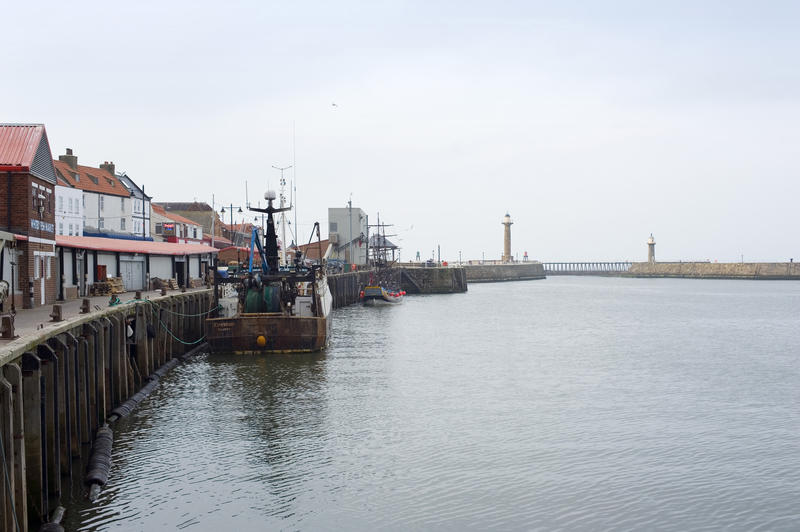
(30, 320)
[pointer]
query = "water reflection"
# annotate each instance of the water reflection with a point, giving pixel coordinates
(569, 404)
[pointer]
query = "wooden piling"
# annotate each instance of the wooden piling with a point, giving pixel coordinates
(56, 391)
(6, 434)
(51, 436)
(13, 374)
(32, 419)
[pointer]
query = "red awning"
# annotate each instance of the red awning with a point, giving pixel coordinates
(132, 246)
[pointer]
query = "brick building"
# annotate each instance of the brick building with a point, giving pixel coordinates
(27, 210)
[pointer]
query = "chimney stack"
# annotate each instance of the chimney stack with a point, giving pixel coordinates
(71, 160)
(108, 167)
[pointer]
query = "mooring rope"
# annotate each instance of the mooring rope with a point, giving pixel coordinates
(179, 314)
(164, 325)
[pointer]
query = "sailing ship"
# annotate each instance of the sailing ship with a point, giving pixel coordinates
(384, 285)
(271, 308)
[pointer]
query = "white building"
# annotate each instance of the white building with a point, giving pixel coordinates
(69, 209)
(140, 207)
(107, 205)
(347, 231)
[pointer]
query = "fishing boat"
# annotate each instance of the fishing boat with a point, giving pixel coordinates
(274, 307)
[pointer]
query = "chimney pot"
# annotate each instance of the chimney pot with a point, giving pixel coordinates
(70, 159)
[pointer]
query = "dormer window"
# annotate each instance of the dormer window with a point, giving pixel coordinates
(94, 179)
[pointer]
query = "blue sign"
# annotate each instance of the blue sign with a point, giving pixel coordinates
(43, 226)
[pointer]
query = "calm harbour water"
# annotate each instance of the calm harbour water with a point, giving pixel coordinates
(574, 403)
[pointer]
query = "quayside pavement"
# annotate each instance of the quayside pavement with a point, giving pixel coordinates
(28, 321)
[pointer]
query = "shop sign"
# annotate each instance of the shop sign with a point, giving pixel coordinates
(39, 225)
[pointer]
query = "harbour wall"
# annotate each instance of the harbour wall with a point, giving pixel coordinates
(61, 385)
(489, 273)
(435, 280)
(346, 287)
(717, 270)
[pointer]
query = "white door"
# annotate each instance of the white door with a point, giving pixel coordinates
(133, 275)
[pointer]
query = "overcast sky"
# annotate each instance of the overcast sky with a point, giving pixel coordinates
(592, 123)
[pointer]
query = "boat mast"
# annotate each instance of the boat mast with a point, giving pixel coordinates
(271, 238)
(283, 216)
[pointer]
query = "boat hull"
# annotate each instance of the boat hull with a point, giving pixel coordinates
(381, 302)
(280, 333)
(376, 296)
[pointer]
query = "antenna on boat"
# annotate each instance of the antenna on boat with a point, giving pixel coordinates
(283, 205)
(294, 183)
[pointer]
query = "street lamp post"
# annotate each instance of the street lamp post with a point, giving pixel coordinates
(231, 211)
(350, 243)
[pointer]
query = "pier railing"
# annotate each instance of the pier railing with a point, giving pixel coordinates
(586, 268)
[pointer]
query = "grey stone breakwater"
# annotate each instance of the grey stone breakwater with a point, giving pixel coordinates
(488, 273)
(717, 270)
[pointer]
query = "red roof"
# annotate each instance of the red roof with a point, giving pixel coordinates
(18, 144)
(219, 241)
(106, 183)
(132, 246)
(239, 228)
(174, 217)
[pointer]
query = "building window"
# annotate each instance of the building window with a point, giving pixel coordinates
(194, 232)
(100, 223)
(70, 229)
(36, 268)
(60, 228)
(49, 267)
(122, 204)
(61, 203)
(84, 202)
(122, 224)
(69, 205)
(102, 202)
(158, 229)
(333, 227)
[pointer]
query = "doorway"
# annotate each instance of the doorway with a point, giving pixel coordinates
(42, 276)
